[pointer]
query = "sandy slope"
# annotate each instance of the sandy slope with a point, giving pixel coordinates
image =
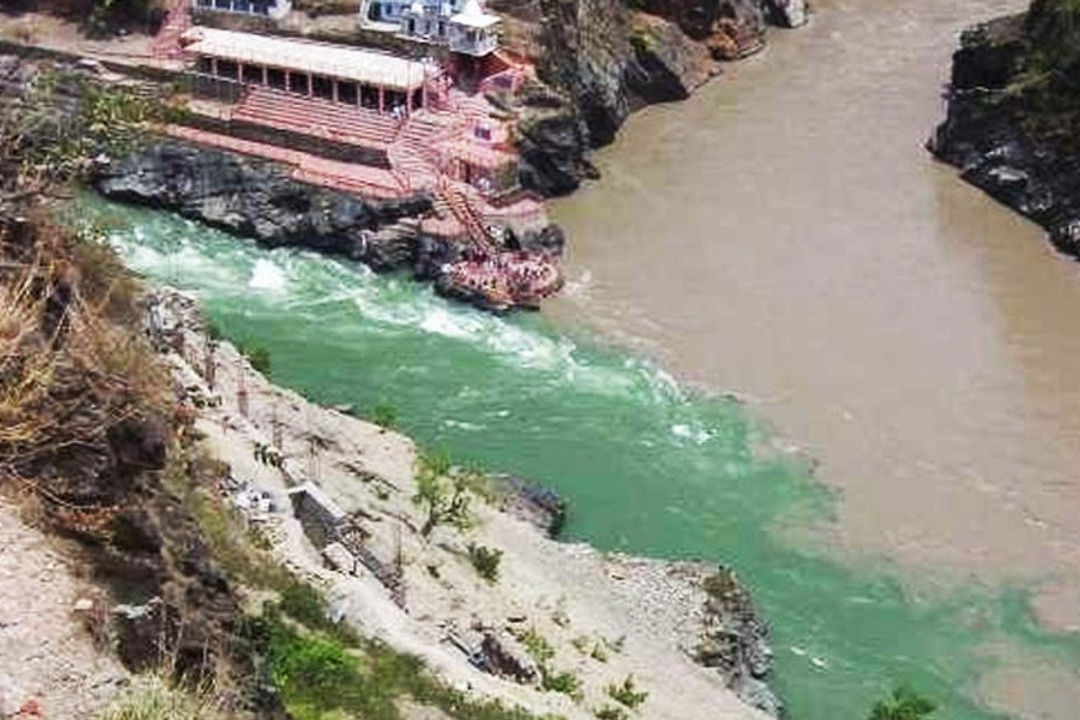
(47, 658)
(563, 591)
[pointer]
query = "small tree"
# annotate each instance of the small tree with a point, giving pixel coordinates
(904, 704)
(486, 561)
(445, 499)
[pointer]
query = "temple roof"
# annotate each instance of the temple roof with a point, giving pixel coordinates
(339, 61)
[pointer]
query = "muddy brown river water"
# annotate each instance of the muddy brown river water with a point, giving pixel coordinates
(785, 235)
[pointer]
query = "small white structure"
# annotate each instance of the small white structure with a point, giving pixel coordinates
(276, 9)
(473, 31)
(466, 29)
(427, 22)
(395, 11)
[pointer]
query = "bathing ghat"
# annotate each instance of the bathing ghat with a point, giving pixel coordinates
(379, 124)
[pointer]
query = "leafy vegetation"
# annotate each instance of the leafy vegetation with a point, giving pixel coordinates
(904, 704)
(105, 15)
(257, 355)
(611, 712)
(1045, 82)
(66, 121)
(627, 694)
(564, 682)
(537, 646)
(323, 676)
(445, 498)
(385, 416)
(486, 561)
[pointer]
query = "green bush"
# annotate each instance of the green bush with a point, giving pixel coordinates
(626, 694)
(446, 499)
(304, 603)
(563, 682)
(258, 356)
(322, 678)
(486, 561)
(384, 415)
(904, 704)
(537, 646)
(610, 712)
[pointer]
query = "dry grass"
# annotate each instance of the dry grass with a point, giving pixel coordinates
(152, 697)
(72, 367)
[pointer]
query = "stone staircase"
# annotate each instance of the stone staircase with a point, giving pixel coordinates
(316, 116)
(166, 45)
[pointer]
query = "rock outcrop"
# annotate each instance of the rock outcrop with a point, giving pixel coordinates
(667, 65)
(1014, 116)
(552, 141)
(597, 60)
(730, 29)
(254, 198)
(736, 641)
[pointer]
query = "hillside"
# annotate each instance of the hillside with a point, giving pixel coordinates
(215, 546)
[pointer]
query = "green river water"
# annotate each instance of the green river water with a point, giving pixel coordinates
(647, 466)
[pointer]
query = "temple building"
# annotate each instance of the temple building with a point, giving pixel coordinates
(342, 74)
(273, 8)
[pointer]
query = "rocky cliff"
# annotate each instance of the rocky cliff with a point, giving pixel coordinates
(1013, 119)
(600, 59)
(254, 198)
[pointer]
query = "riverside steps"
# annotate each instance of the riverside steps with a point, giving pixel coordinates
(380, 121)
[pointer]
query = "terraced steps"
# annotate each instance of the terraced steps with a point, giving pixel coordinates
(315, 116)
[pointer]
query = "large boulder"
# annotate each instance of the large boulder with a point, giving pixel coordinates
(506, 657)
(667, 65)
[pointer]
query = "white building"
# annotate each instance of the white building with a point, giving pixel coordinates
(271, 8)
(470, 31)
(393, 11)
(473, 31)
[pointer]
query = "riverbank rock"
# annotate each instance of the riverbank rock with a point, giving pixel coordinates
(590, 67)
(1013, 116)
(667, 65)
(254, 198)
(729, 29)
(552, 140)
(735, 641)
(539, 506)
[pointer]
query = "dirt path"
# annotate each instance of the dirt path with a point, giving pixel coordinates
(48, 662)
